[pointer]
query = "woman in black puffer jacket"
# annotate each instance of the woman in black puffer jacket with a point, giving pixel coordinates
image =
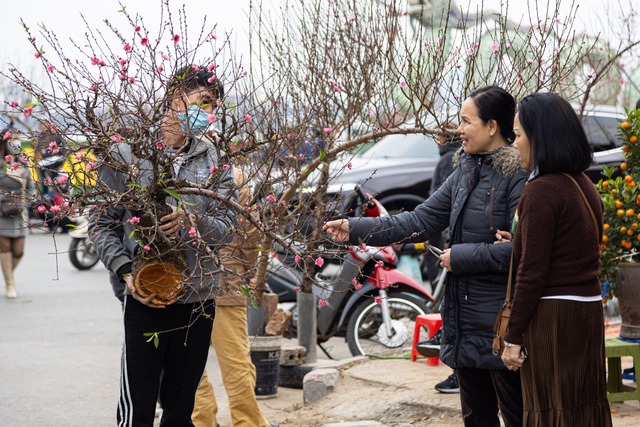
(475, 202)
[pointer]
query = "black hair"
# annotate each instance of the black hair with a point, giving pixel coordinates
(557, 139)
(495, 103)
(193, 76)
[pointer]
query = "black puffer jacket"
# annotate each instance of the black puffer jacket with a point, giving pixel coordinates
(479, 198)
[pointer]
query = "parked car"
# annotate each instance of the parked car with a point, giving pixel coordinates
(398, 169)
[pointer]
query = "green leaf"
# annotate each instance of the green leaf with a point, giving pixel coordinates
(173, 194)
(322, 154)
(245, 291)
(189, 203)
(31, 104)
(132, 233)
(123, 9)
(153, 336)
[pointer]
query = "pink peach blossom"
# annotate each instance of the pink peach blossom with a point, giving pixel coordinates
(127, 47)
(271, 198)
(55, 209)
(296, 259)
(193, 232)
(116, 138)
(176, 38)
(41, 209)
(212, 118)
(62, 179)
(27, 111)
(319, 262)
(378, 300)
(327, 130)
(14, 104)
(248, 117)
(8, 159)
(6, 135)
(322, 303)
(212, 169)
(133, 220)
(147, 248)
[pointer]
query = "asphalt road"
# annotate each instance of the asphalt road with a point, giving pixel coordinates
(60, 343)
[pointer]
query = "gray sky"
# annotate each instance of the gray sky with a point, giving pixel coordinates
(63, 17)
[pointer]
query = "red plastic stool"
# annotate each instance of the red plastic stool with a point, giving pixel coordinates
(432, 322)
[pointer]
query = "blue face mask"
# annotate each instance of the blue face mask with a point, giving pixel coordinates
(194, 121)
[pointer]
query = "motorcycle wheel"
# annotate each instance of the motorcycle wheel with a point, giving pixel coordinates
(364, 330)
(82, 255)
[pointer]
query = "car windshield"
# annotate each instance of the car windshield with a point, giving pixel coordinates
(414, 145)
(602, 132)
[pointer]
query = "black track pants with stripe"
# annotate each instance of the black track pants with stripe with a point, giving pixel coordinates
(184, 332)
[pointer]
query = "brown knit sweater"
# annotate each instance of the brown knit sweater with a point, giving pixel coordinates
(556, 248)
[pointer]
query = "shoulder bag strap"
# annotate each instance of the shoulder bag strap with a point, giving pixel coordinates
(586, 202)
(507, 298)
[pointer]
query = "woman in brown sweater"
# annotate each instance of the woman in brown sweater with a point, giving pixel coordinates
(557, 311)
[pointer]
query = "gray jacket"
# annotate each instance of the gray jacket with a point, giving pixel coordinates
(112, 234)
(480, 197)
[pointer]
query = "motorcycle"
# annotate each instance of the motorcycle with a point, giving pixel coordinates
(81, 251)
(364, 297)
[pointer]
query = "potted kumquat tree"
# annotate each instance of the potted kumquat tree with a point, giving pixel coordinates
(620, 274)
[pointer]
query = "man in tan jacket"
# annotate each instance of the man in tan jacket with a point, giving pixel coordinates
(229, 336)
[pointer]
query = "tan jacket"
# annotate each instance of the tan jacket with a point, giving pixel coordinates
(240, 257)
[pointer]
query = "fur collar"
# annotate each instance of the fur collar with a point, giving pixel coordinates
(504, 160)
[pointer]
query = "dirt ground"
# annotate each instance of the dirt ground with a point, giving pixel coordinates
(393, 393)
(359, 400)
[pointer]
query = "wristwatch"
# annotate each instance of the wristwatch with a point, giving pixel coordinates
(508, 344)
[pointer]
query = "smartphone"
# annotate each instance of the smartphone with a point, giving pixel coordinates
(435, 250)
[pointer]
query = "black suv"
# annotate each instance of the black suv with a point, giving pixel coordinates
(398, 169)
